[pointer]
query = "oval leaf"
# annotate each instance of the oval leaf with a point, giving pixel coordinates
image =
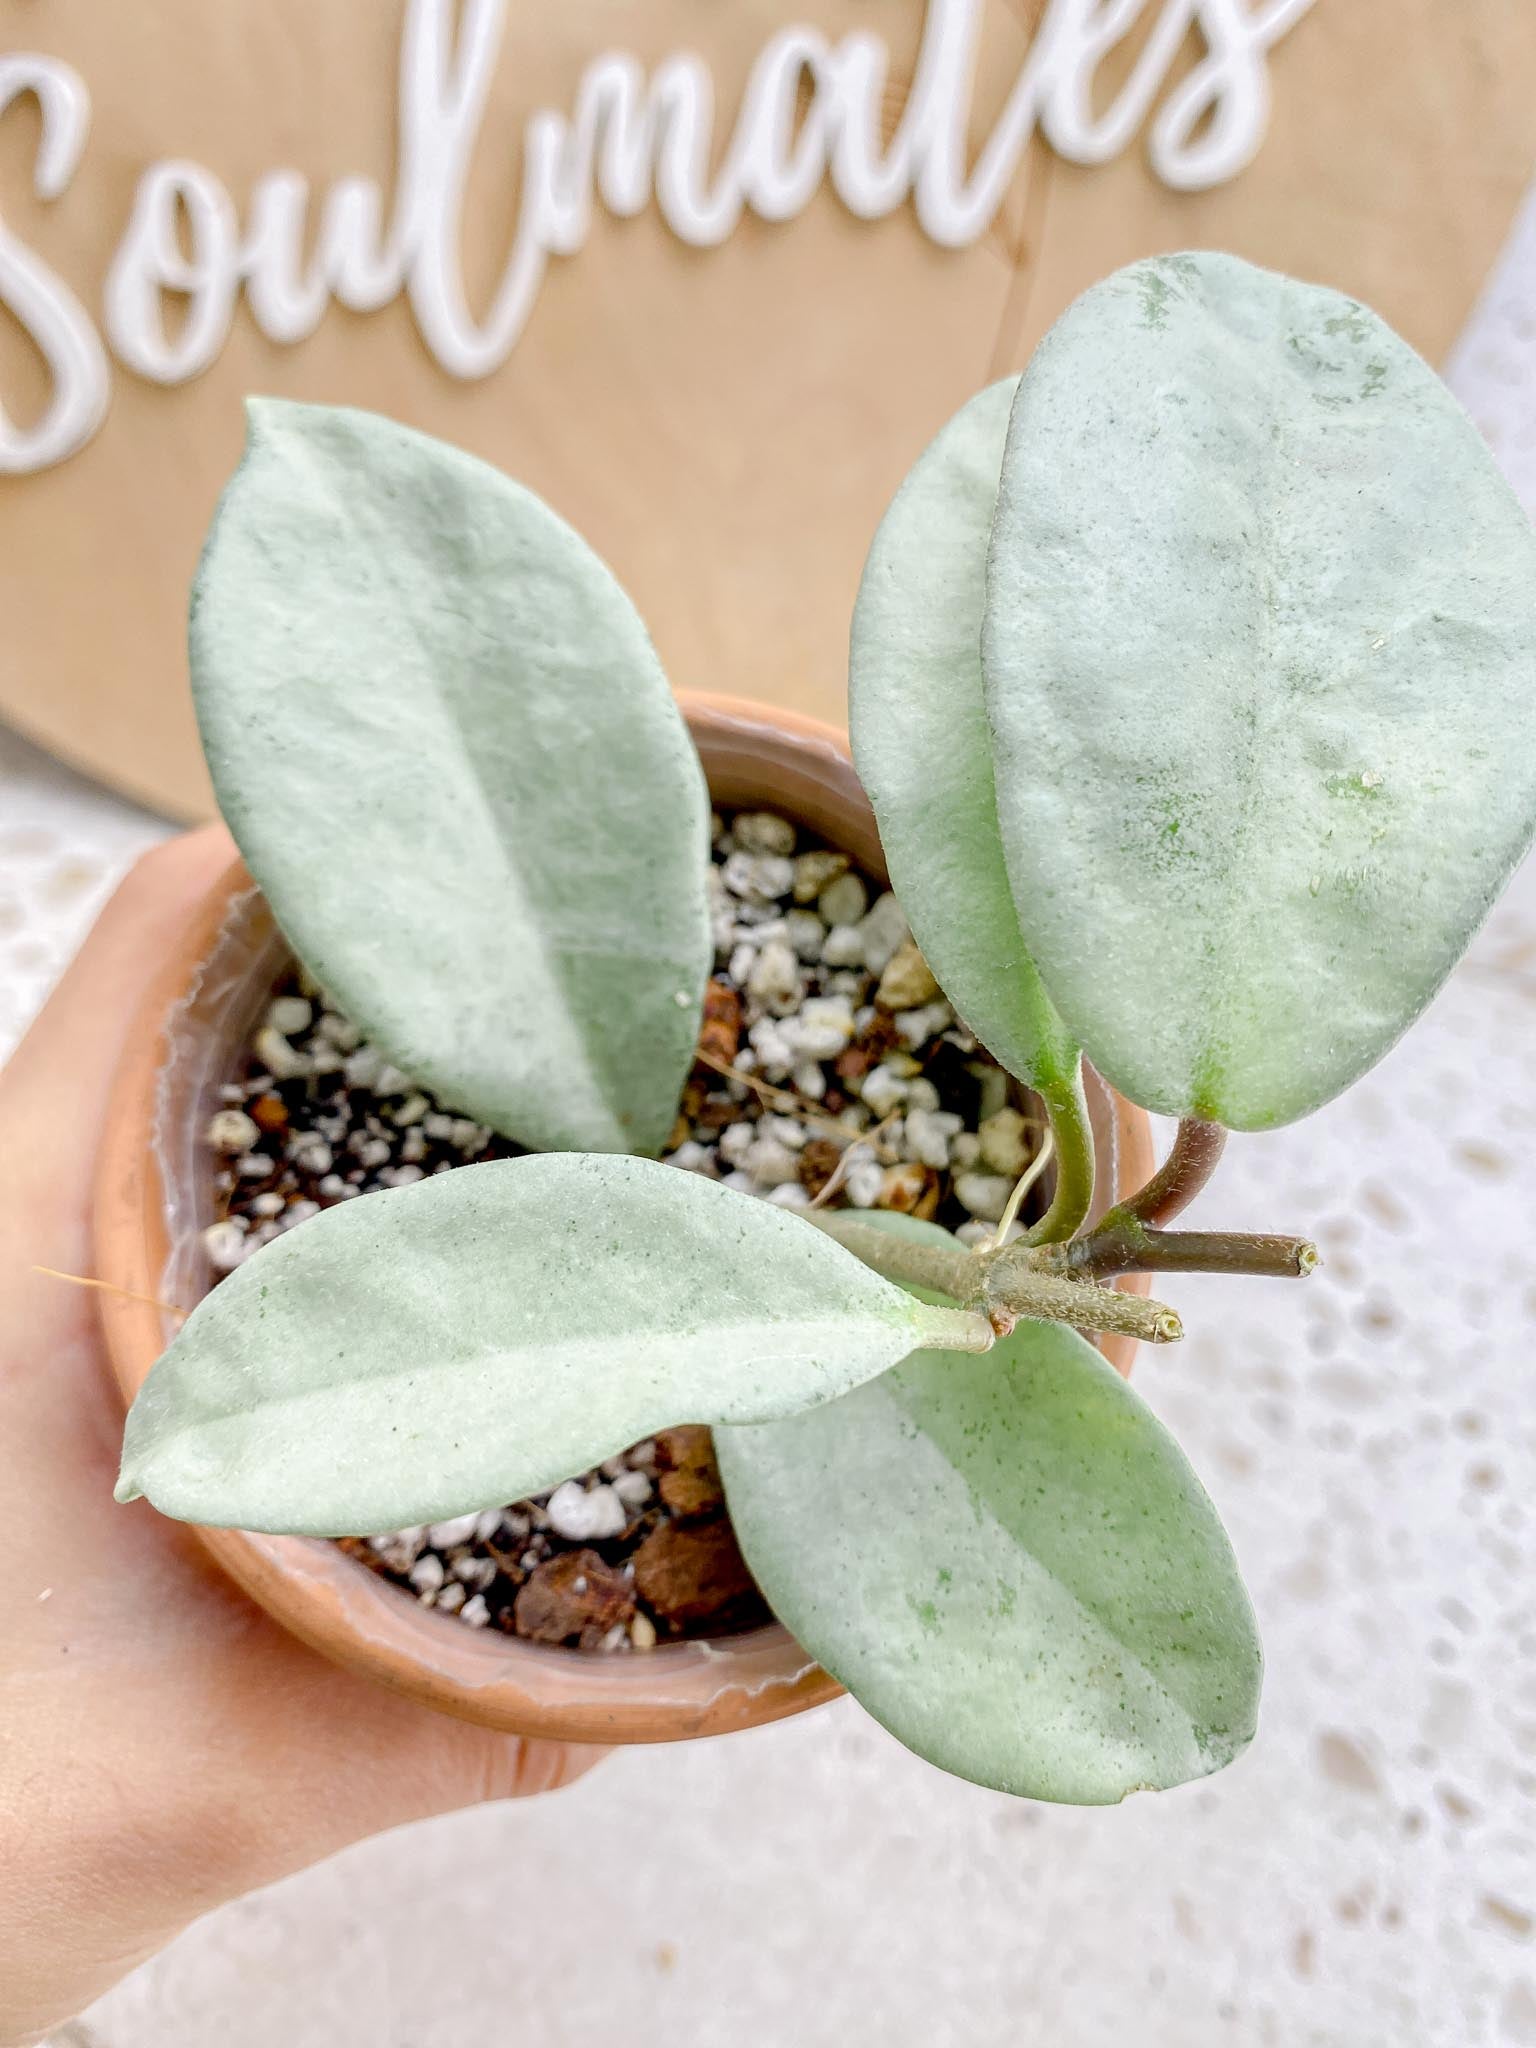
(1009, 1562)
(1261, 668)
(447, 750)
(918, 717)
(484, 1334)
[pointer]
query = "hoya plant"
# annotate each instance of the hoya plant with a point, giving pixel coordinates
(1194, 687)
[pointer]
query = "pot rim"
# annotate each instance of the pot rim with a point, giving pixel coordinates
(333, 1602)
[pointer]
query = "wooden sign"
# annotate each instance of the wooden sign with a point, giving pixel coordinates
(705, 273)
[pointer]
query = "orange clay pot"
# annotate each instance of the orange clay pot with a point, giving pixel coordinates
(153, 1195)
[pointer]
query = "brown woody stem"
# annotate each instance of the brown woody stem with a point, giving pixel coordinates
(1227, 1251)
(1189, 1165)
(1119, 1246)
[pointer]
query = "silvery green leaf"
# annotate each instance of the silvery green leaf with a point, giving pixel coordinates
(449, 755)
(1009, 1562)
(1261, 671)
(918, 715)
(486, 1333)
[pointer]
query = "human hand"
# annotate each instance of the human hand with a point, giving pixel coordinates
(164, 1746)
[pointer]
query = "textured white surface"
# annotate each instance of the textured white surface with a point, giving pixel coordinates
(64, 843)
(1362, 1879)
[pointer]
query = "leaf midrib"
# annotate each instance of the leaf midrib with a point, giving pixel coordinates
(1224, 979)
(813, 1335)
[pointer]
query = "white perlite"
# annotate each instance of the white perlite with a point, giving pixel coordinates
(278, 1056)
(984, 1194)
(586, 1516)
(774, 978)
(763, 832)
(226, 1244)
(928, 1133)
(231, 1130)
(1004, 1143)
(883, 930)
(289, 1015)
(844, 901)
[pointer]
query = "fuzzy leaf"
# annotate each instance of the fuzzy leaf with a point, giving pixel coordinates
(484, 1334)
(1009, 1562)
(443, 741)
(918, 715)
(1261, 670)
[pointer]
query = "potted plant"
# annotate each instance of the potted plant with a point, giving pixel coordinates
(1189, 687)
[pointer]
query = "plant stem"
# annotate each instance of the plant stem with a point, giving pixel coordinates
(1008, 1286)
(1121, 1245)
(956, 1272)
(1050, 1280)
(957, 1329)
(1017, 1288)
(1126, 1239)
(1067, 1107)
(1223, 1251)
(1196, 1148)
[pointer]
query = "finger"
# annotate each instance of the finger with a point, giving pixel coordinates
(479, 1766)
(339, 1758)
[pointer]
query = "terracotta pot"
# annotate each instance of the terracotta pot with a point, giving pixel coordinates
(154, 1193)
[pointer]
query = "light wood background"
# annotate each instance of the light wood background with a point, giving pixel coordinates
(725, 426)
